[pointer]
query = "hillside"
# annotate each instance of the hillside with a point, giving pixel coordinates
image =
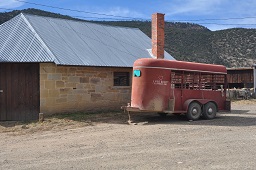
(187, 41)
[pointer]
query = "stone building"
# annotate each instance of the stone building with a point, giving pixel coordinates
(54, 65)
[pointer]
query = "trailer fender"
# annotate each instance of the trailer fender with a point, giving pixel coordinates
(200, 101)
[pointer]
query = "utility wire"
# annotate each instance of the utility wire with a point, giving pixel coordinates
(74, 10)
(123, 18)
(78, 17)
(214, 19)
(117, 19)
(212, 23)
(7, 9)
(224, 24)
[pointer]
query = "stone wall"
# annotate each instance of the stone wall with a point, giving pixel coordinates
(71, 89)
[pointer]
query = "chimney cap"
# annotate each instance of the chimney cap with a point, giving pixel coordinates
(158, 13)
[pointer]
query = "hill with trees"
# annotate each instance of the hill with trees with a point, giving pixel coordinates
(186, 41)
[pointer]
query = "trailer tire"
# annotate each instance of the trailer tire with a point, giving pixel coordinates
(209, 110)
(194, 111)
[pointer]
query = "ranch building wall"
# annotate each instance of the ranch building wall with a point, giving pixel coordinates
(71, 89)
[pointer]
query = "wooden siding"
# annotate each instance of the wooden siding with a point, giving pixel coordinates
(240, 77)
(19, 95)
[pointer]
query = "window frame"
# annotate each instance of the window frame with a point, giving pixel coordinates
(121, 79)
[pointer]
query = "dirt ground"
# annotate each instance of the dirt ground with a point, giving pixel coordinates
(106, 141)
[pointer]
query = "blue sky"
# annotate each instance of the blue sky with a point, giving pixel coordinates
(214, 14)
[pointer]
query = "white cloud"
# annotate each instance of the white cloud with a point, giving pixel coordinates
(197, 7)
(10, 4)
(118, 11)
(111, 12)
(213, 9)
(243, 8)
(244, 20)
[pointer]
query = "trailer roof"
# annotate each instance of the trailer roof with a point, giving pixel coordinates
(180, 65)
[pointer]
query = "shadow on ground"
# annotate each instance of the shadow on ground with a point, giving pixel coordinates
(234, 118)
(9, 124)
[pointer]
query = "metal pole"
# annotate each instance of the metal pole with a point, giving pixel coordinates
(254, 77)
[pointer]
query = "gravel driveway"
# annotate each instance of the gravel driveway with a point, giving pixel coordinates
(227, 142)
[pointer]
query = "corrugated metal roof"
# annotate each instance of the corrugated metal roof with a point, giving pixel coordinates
(30, 38)
(18, 43)
(240, 68)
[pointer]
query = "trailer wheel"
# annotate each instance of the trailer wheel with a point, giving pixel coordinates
(209, 110)
(194, 111)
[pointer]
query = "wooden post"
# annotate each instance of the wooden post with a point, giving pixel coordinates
(41, 117)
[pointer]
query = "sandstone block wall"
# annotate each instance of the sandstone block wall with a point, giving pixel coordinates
(71, 89)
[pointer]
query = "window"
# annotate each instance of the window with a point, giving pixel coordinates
(121, 79)
(212, 81)
(191, 80)
(176, 79)
(197, 80)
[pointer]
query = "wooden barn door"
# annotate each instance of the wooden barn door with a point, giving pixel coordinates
(19, 91)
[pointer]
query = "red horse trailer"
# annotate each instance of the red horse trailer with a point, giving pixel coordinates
(167, 86)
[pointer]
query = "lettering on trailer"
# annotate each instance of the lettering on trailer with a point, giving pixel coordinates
(160, 81)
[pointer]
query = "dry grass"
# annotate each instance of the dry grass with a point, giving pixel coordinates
(244, 102)
(62, 122)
